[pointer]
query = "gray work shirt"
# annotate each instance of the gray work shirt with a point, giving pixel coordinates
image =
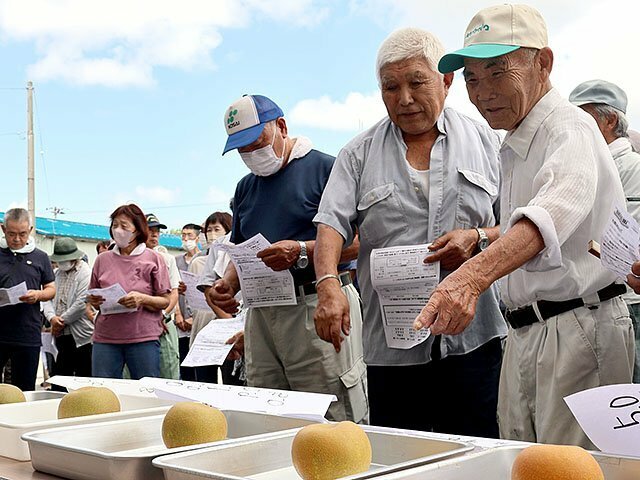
(370, 189)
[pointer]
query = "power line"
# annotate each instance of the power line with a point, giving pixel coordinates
(160, 207)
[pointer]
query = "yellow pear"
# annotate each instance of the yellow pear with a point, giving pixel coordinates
(11, 394)
(190, 423)
(555, 462)
(326, 452)
(88, 401)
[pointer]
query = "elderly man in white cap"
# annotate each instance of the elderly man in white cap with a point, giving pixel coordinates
(570, 329)
(67, 313)
(279, 199)
(606, 102)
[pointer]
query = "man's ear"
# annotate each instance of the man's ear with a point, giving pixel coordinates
(545, 61)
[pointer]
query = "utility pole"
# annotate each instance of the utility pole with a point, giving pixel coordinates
(31, 191)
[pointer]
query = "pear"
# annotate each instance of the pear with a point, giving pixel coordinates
(329, 451)
(11, 394)
(190, 423)
(88, 401)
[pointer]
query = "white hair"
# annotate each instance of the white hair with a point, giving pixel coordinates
(408, 43)
(603, 111)
(18, 215)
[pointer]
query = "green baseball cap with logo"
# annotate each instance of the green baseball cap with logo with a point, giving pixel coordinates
(496, 31)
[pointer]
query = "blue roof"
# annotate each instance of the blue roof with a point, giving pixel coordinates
(63, 228)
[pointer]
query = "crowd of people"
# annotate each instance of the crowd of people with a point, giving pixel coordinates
(523, 314)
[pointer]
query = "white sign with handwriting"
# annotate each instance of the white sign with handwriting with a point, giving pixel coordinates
(119, 386)
(245, 399)
(610, 417)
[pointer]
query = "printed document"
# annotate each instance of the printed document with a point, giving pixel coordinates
(404, 284)
(619, 243)
(210, 347)
(260, 285)
(195, 297)
(11, 295)
(111, 296)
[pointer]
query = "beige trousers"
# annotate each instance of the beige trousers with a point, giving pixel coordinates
(544, 362)
(283, 351)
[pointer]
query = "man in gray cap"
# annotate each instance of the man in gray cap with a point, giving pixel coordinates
(570, 329)
(70, 325)
(607, 104)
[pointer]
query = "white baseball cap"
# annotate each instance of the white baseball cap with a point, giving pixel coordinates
(496, 31)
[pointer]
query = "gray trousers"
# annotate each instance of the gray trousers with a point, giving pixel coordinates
(283, 351)
(544, 362)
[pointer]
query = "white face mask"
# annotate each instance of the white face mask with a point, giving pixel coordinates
(122, 237)
(264, 162)
(66, 266)
(189, 245)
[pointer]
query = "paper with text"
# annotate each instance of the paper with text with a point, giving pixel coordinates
(260, 286)
(117, 385)
(195, 297)
(610, 417)
(619, 246)
(210, 347)
(48, 345)
(111, 296)
(244, 399)
(404, 284)
(11, 295)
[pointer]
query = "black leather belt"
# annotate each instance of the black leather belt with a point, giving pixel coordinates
(525, 316)
(310, 288)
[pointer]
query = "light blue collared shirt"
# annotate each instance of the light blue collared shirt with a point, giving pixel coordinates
(371, 189)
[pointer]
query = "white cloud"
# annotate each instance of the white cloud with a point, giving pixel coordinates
(157, 195)
(357, 112)
(119, 43)
(217, 196)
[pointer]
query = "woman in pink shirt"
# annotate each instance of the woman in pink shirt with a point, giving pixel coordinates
(130, 338)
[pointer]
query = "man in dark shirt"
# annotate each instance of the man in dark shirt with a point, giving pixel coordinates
(21, 324)
(279, 199)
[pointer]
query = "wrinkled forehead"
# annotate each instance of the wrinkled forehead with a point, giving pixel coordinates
(16, 225)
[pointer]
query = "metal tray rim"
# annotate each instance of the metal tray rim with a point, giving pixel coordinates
(33, 437)
(464, 447)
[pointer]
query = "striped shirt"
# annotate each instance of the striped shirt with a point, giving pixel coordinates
(557, 171)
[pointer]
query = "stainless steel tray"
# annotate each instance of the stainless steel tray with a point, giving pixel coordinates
(42, 395)
(124, 449)
(270, 458)
(17, 419)
(496, 465)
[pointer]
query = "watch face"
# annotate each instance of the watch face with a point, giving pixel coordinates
(484, 243)
(302, 262)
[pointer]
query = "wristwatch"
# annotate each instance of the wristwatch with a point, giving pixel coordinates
(303, 260)
(483, 240)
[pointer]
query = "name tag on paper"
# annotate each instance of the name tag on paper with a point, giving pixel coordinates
(610, 417)
(118, 386)
(245, 399)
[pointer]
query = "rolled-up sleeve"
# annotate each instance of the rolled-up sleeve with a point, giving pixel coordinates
(339, 200)
(566, 188)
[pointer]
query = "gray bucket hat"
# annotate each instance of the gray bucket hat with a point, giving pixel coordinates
(65, 250)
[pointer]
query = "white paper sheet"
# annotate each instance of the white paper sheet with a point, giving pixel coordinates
(209, 347)
(245, 399)
(119, 386)
(10, 296)
(260, 286)
(48, 345)
(195, 297)
(111, 296)
(610, 417)
(619, 243)
(404, 284)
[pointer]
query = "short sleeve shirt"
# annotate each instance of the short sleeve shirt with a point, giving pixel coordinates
(282, 206)
(22, 324)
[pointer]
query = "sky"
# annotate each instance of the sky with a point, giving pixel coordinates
(130, 95)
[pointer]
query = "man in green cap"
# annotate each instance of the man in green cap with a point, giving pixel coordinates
(569, 327)
(70, 325)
